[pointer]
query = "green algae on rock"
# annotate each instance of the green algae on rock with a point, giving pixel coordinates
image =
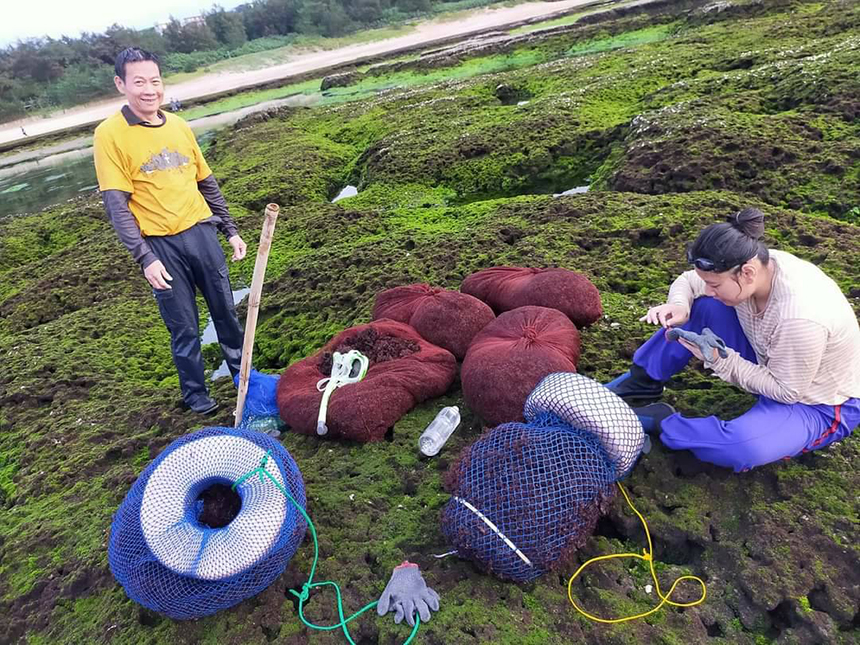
(452, 180)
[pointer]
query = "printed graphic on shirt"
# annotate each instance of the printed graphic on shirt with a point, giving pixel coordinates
(165, 160)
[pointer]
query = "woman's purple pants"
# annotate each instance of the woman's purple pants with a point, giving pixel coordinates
(767, 432)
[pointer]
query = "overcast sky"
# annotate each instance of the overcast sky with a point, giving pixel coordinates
(22, 19)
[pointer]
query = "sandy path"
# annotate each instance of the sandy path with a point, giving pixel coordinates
(424, 33)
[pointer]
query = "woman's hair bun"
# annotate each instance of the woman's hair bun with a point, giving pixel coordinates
(749, 221)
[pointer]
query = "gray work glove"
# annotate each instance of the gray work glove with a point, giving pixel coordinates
(707, 341)
(406, 593)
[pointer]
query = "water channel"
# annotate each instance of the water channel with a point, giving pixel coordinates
(33, 185)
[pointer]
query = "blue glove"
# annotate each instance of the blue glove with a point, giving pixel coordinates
(406, 593)
(707, 341)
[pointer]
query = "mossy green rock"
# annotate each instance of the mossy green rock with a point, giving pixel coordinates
(675, 116)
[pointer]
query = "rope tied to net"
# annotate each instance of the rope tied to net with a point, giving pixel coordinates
(648, 556)
(261, 469)
(304, 594)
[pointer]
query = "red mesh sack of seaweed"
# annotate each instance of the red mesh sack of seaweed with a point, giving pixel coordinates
(511, 355)
(449, 319)
(404, 370)
(506, 288)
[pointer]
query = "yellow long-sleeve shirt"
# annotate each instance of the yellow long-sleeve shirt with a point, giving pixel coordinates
(158, 166)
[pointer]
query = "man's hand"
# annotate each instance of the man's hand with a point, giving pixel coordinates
(239, 247)
(667, 315)
(157, 276)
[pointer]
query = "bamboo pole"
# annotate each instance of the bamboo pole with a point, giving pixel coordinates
(254, 305)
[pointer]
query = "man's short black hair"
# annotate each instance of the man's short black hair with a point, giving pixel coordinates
(133, 55)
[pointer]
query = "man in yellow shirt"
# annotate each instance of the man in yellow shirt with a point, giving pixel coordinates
(166, 207)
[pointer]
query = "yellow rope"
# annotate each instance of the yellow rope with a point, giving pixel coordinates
(648, 556)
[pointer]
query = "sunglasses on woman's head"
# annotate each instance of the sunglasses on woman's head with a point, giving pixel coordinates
(704, 264)
(700, 263)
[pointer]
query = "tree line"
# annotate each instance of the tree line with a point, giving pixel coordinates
(44, 73)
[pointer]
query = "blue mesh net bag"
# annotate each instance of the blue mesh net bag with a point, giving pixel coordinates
(185, 544)
(261, 398)
(260, 411)
(525, 497)
(584, 403)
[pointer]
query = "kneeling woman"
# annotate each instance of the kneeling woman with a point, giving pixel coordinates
(790, 337)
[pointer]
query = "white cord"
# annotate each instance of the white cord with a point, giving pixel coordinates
(495, 529)
(345, 369)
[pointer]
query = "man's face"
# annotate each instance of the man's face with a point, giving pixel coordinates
(142, 87)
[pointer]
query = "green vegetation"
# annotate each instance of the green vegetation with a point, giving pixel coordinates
(548, 24)
(41, 74)
(369, 86)
(246, 99)
(673, 119)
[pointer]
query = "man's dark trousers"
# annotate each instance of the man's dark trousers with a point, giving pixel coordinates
(194, 258)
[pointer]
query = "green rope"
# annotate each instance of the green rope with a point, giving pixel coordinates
(310, 584)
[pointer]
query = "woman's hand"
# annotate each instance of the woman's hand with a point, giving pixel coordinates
(667, 315)
(696, 351)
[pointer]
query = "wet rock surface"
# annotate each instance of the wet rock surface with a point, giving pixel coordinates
(674, 119)
(342, 79)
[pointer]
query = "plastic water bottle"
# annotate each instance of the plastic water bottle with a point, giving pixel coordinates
(440, 428)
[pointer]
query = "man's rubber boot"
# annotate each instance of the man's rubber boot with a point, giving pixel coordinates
(203, 404)
(652, 416)
(636, 387)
